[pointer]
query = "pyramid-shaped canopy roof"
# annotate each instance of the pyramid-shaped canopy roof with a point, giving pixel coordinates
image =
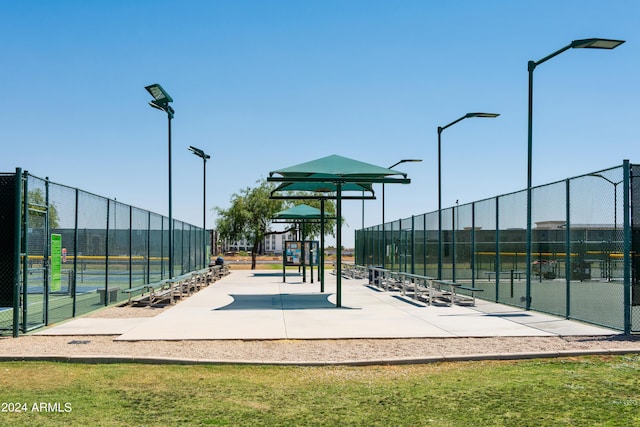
(337, 168)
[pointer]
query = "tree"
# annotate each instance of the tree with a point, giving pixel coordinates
(37, 204)
(250, 216)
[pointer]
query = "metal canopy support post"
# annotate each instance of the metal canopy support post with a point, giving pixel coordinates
(321, 258)
(338, 244)
(170, 208)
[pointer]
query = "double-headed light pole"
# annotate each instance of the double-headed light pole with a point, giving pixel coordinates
(204, 156)
(531, 66)
(161, 100)
(440, 129)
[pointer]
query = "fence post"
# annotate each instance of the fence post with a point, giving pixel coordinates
(497, 260)
(47, 252)
(627, 248)
(75, 256)
(17, 234)
(106, 259)
(413, 245)
(473, 245)
(567, 263)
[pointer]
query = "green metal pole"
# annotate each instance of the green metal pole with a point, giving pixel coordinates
(322, 231)
(204, 213)
(627, 248)
(567, 243)
(75, 255)
(302, 253)
(170, 206)
(106, 259)
(25, 248)
(130, 245)
(473, 245)
(531, 66)
(413, 245)
(339, 244)
(17, 252)
(497, 259)
(439, 208)
(47, 252)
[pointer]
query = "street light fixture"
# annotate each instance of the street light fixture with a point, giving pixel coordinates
(440, 129)
(384, 236)
(200, 153)
(594, 43)
(161, 100)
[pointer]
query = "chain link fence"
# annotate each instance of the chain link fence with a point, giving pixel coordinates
(102, 247)
(583, 235)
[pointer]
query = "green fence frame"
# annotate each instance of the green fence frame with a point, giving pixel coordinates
(582, 247)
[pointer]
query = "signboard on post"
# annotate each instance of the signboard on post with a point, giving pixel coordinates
(293, 253)
(56, 258)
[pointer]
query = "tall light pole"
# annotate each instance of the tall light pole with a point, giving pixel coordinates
(384, 236)
(531, 66)
(440, 129)
(161, 100)
(204, 156)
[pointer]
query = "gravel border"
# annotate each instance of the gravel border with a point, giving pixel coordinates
(104, 349)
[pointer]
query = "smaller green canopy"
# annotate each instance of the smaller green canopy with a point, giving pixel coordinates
(300, 212)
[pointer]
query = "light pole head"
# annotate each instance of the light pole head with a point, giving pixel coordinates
(596, 44)
(484, 115)
(161, 99)
(198, 152)
(159, 94)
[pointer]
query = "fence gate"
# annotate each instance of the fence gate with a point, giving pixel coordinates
(35, 259)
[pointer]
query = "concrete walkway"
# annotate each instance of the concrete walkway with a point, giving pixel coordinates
(252, 305)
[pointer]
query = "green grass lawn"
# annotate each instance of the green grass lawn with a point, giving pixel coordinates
(580, 391)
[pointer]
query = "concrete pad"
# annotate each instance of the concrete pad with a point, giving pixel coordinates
(258, 305)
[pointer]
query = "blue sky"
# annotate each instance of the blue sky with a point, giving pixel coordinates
(262, 85)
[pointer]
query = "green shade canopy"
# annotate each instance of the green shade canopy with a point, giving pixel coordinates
(300, 212)
(336, 168)
(340, 172)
